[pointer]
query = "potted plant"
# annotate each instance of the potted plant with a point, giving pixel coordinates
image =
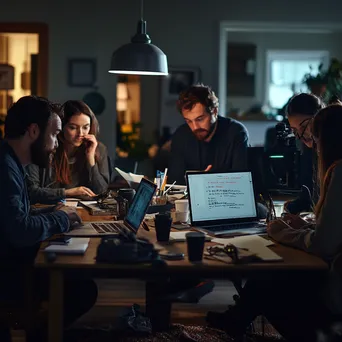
(327, 82)
(317, 84)
(334, 76)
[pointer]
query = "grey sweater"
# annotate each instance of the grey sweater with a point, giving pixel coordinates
(43, 187)
(324, 239)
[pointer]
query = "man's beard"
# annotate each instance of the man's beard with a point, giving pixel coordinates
(39, 155)
(203, 134)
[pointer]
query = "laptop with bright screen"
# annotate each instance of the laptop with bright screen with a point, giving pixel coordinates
(131, 222)
(220, 199)
(139, 206)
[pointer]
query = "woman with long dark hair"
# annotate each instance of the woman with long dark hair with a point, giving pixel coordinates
(298, 304)
(300, 112)
(80, 166)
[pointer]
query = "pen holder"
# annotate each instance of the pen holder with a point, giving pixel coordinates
(159, 200)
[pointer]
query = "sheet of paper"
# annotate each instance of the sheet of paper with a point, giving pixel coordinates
(88, 202)
(265, 253)
(129, 177)
(176, 187)
(75, 246)
(244, 241)
(71, 203)
(136, 178)
(180, 236)
(254, 244)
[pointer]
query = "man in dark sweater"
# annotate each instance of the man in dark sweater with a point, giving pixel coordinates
(206, 141)
(31, 129)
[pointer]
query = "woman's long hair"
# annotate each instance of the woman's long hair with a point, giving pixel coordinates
(327, 132)
(62, 167)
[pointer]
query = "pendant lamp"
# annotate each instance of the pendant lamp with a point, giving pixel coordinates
(139, 57)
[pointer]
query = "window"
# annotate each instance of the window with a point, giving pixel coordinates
(285, 71)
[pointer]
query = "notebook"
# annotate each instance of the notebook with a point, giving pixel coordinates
(75, 246)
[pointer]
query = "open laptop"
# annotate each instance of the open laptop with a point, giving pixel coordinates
(132, 221)
(223, 203)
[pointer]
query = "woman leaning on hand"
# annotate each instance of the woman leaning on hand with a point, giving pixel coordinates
(80, 165)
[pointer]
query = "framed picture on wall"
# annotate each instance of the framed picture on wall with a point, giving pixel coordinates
(6, 77)
(81, 72)
(179, 79)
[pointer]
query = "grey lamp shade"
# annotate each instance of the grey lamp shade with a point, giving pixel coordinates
(139, 57)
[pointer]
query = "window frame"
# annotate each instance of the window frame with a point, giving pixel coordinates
(300, 55)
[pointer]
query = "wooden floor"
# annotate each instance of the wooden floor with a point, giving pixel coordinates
(115, 295)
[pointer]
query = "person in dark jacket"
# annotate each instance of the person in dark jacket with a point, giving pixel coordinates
(31, 130)
(206, 141)
(80, 167)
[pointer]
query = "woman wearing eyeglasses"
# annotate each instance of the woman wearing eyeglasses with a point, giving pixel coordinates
(300, 111)
(299, 304)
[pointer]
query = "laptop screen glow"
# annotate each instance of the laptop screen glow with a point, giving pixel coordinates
(141, 201)
(221, 196)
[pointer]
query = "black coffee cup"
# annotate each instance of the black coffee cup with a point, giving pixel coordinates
(195, 242)
(128, 194)
(163, 226)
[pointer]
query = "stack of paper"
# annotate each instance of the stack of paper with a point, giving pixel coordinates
(75, 246)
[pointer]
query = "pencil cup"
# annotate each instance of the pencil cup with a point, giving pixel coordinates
(159, 200)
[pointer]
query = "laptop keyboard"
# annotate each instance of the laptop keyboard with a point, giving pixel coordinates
(233, 226)
(107, 227)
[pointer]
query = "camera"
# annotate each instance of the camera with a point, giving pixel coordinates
(284, 135)
(283, 159)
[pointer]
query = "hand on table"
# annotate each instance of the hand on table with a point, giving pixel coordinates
(72, 214)
(80, 191)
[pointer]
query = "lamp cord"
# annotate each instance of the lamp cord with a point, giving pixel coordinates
(142, 9)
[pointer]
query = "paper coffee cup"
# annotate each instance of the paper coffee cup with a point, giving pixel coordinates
(182, 216)
(182, 205)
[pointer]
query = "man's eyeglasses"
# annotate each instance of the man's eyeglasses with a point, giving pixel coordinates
(304, 135)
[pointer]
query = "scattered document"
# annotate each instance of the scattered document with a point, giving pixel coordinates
(253, 243)
(71, 203)
(75, 246)
(130, 177)
(176, 187)
(244, 241)
(181, 236)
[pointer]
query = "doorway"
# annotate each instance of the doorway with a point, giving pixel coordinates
(23, 63)
(228, 28)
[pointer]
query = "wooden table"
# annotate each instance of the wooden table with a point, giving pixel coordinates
(293, 260)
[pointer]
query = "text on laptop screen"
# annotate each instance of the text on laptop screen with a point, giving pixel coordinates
(221, 196)
(140, 203)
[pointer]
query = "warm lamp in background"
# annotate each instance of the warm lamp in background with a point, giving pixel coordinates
(121, 97)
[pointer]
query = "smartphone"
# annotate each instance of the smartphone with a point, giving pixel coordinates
(172, 256)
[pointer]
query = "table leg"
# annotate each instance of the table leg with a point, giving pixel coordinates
(56, 302)
(158, 307)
